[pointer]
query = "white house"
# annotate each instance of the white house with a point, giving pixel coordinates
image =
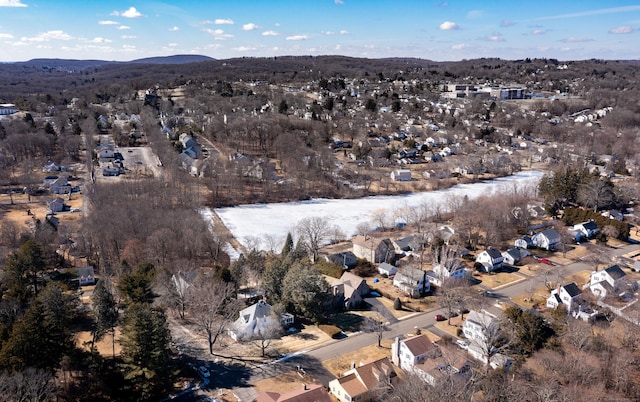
(86, 276)
(547, 239)
(451, 269)
(478, 327)
(587, 229)
(255, 317)
(610, 280)
(401, 175)
(387, 269)
(514, 255)
(568, 294)
(412, 281)
(491, 259)
(408, 353)
(524, 242)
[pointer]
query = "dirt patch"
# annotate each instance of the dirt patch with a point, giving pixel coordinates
(105, 347)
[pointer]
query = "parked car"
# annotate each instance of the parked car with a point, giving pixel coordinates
(463, 310)
(204, 372)
(440, 317)
(463, 344)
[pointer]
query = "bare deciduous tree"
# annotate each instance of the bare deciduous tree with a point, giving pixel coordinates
(212, 306)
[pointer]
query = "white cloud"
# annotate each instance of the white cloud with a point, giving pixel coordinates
(107, 22)
(128, 36)
(538, 32)
(131, 12)
(270, 33)
(624, 29)
(223, 21)
(460, 46)
(12, 3)
(327, 32)
(496, 37)
(338, 1)
(244, 49)
(6, 36)
(174, 28)
(507, 23)
(297, 37)
(48, 36)
(574, 39)
(172, 44)
(250, 27)
(218, 34)
(99, 40)
(128, 48)
(344, 32)
(123, 27)
(448, 26)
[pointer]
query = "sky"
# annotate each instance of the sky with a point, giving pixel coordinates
(258, 224)
(437, 30)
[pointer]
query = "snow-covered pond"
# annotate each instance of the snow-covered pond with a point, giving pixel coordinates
(266, 225)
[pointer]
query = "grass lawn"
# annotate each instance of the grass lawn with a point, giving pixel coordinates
(494, 280)
(338, 365)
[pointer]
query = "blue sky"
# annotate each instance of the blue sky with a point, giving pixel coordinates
(437, 30)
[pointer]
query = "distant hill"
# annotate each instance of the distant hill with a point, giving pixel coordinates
(176, 59)
(77, 65)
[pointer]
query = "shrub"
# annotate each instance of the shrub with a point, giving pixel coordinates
(397, 304)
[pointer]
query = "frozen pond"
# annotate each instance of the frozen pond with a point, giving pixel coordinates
(267, 225)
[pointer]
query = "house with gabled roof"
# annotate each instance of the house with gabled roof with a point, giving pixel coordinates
(524, 242)
(587, 229)
(446, 364)
(409, 352)
(568, 295)
(412, 281)
(304, 393)
(490, 259)
(611, 280)
(373, 249)
(349, 291)
(514, 255)
(364, 382)
(255, 317)
(547, 239)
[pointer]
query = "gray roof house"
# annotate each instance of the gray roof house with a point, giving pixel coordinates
(547, 239)
(491, 259)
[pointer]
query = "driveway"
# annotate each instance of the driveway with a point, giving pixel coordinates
(378, 306)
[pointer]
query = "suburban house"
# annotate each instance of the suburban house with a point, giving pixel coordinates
(349, 290)
(408, 353)
(387, 269)
(363, 383)
(611, 280)
(86, 276)
(514, 255)
(56, 205)
(547, 239)
(451, 269)
(305, 393)
(373, 249)
(586, 229)
(345, 259)
(254, 318)
(613, 214)
(447, 363)
(412, 281)
(524, 242)
(569, 295)
(478, 327)
(491, 259)
(401, 175)
(405, 244)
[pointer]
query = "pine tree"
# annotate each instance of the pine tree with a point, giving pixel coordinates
(288, 246)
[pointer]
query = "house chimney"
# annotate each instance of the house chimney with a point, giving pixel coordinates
(304, 387)
(353, 364)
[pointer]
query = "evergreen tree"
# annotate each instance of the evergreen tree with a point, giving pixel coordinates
(136, 286)
(305, 292)
(43, 335)
(22, 270)
(105, 313)
(145, 351)
(288, 246)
